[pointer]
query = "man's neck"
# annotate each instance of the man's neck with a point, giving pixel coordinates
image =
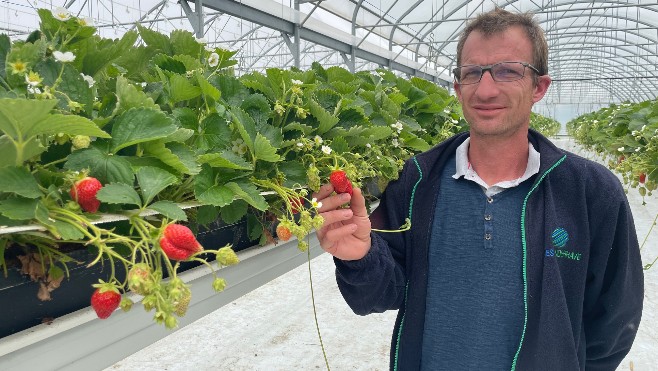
(497, 159)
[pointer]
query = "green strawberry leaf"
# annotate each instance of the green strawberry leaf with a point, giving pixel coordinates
(217, 195)
(183, 42)
(254, 227)
(19, 116)
(207, 89)
(155, 40)
(248, 192)
(207, 214)
(139, 125)
(263, 150)
(326, 120)
(119, 193)
(67, 124)
(176, 155)
(169, 209)
(245, 125)
(67, 231)
(9, 153)
(105, 167)
(153, 180)
(19, 208)
(234, 212)
(20, 181)
(227, 160)
(131, 97)
(180, 89)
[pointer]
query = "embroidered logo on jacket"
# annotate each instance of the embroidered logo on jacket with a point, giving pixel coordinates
(560, 238)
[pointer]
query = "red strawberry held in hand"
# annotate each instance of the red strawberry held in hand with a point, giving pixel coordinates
(178, 242)
(105, 300)
(84, 193)
(341, 183)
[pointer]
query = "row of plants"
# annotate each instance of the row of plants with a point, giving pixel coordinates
(626, 137)
(549, 127)
(149, 122)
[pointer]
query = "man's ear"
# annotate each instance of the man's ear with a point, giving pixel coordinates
(543, 82)
(457, 90)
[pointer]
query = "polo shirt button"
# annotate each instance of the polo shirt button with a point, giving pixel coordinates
(487, 217)
(489, 199)
(487, 236)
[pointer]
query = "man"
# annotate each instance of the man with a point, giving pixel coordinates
(520, 256)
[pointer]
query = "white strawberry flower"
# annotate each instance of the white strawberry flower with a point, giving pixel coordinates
(397, 126)
(201, 40)
(90, 80)
(33, 79)
(621, 149)
(318, 140)
(64, 57)
(86, 21)
(213, 60)
(326, 150)
(395, 143)
(315, 203)
(297, 82)
(368, 145)
(61, 13)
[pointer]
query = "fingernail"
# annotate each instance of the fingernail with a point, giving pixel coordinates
(345, 197)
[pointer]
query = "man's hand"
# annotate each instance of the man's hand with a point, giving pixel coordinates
(345, 233)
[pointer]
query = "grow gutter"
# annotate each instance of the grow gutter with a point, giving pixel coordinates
(81, 341)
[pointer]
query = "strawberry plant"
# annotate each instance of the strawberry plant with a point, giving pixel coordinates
(141, 125)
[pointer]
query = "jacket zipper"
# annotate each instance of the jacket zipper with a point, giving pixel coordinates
(525, 258)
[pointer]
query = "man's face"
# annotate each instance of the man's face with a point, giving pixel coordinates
(499, 108)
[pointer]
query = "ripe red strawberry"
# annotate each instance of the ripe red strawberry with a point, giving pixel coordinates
(643, 178)
(178, 242)
(297, 204)
(84, 192)
(105, 300)
(341, 183)
(283, 232)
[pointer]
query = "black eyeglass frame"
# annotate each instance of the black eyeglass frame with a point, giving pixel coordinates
(489, 67)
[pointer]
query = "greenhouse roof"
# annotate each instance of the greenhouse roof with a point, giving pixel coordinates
(601, 52)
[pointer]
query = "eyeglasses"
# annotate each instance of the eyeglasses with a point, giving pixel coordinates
(500, 72)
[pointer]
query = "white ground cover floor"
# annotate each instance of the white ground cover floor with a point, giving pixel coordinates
(273, 327)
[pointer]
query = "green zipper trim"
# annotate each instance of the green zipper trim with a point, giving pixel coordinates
(525, 258)
(406, 287)
(397, 341)
(413, 191)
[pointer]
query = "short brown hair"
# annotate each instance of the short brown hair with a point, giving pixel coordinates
(499, 20)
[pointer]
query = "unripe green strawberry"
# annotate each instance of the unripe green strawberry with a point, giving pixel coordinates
(341, 183)
(105, 300)
(226, 256)
(84, 193)
(219, 284)
(313, 176)
(283, 232)
(180, 307)
(80, 141)
(139, 279)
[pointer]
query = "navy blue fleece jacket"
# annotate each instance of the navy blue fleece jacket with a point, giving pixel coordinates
(582, 272)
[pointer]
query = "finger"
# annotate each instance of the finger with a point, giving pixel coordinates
(358, 203)
(325, 190)
(332, 236)
(335, 216)
(335, 201)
